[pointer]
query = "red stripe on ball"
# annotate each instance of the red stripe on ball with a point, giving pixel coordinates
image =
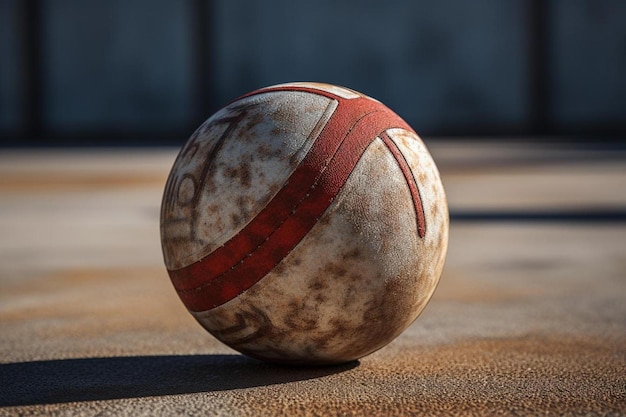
(262, 244)
(410, 180)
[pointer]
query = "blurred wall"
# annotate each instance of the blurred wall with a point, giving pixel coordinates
(148, 71)
(443, 65)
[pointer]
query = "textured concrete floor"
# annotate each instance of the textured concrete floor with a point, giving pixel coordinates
(529, 317)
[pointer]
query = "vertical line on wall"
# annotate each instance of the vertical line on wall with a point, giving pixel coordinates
(30, 24)
(540, 100)
(202, 38)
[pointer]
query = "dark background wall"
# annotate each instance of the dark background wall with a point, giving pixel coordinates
(120, 72)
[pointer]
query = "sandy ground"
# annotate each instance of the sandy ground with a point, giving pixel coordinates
(529, 317)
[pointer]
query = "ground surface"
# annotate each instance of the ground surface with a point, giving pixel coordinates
(529, 317)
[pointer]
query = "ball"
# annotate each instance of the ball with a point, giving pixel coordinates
(304, 223)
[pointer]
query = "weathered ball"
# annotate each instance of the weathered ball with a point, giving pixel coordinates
(304, 223)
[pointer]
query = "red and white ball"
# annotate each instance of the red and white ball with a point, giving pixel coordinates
(304, 223)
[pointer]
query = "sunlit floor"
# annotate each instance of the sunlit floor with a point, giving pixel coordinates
(529, 316)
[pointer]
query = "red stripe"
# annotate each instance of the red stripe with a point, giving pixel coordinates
(281, 225)
(410, 180)
(282, 205)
